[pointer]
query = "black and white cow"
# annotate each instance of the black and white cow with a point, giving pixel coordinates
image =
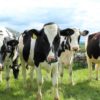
(43, 47)
(93, 52)
(9, 58)
(69, 45)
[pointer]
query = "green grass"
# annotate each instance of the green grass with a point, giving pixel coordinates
(82, 90)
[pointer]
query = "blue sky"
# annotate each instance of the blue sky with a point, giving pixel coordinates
(27, 14)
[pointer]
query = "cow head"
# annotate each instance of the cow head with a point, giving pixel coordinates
(72, 41)
(7, 52)
(52, 36)
(15, 67)
(53, 33)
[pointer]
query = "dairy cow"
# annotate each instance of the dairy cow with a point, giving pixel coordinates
(41, 48)
(68, 46)
(93, 52)
(9, 58)
(7, 34)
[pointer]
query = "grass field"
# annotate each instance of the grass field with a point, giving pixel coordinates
(82, 90)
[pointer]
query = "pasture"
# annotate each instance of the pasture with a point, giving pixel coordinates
(82, 90)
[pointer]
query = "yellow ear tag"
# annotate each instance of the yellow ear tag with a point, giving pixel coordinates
(34, 36)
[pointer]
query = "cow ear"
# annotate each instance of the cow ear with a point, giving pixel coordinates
(66, 32)
(34, 33)
(85, 32)
(12, 42)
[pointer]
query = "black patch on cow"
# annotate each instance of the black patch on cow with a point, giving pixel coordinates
(78, 39)
(27, 43)
(67, 32)
(42, 48)
(93, 48)
(27, 35)
(56, 44)
(64, 45)
(3, 52)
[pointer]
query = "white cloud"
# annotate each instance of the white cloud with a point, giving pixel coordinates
(29, 13)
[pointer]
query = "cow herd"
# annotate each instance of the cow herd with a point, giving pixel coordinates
(48, 45)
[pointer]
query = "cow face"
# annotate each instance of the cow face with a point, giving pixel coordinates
(53, 36)
(72, 41)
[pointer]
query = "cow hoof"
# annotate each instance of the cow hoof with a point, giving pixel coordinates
(56, 98)
(39, 96)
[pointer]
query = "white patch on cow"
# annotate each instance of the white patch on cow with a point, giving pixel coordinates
(51, 32)
(61, 39)
(30, 60)
(74, 39)
(20, 45)
(15, 67)
(15, 54)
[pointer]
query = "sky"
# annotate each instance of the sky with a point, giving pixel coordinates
(27, 14)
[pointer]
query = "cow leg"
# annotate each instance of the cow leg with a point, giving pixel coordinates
(97, 70)
(89, 68)
(0, 76)
(54, 75)
(61, 70)
(39, 82)
(7, 70)
(24, 73)
(31, 73)
(70, 70)
(70, 74)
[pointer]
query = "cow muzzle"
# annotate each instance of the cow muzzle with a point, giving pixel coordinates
(51, 59)
(75, 49)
